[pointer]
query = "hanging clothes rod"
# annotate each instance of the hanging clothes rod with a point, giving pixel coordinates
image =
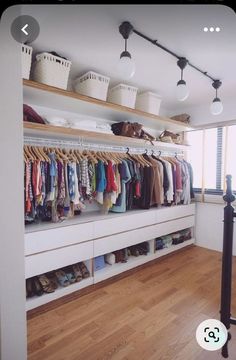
(80, 143)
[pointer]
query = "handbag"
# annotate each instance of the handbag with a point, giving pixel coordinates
(134, 130)
(167, 136)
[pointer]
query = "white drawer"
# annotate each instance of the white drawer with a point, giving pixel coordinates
(45, 240)
(174, 212)
(118, 241)
(55, 259)
(124, 223)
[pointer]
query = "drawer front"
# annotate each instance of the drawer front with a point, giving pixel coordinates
(123, 223)
(45, 240)
(118, 241)
(174, 212)
(55, 259)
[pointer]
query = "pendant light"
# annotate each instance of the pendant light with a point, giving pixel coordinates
(126, 65)
(182, 92)
(216, 105)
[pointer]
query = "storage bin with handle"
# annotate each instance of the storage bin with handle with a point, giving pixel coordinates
(26, 58)
(92, 84)
(148, 102)
(123, 95)
(52, 70)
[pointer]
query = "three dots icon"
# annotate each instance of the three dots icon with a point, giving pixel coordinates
(211, 29)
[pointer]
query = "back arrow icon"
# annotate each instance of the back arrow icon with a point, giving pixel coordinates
(23, 29)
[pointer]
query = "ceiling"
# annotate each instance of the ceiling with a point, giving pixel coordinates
(88, 35)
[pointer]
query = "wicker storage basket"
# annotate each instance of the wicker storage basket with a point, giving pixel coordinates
(123, 95)
(52, 70)
(26, 58)
(92, 84)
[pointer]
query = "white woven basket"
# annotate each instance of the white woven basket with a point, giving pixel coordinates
(92, 84)
(26, 58)
(52, 70)
(123, 95)
(148, 102)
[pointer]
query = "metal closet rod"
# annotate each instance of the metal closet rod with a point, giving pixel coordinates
(35, 141)
(156, 43)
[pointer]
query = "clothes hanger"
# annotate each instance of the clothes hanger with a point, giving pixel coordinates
(26, 158)
(102, 157)
(44, 155)
(29, 155)
(36, 152)
(91, 157)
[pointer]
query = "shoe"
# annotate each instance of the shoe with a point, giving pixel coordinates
(46, 284)
(77, 271)
(84, 270)
(29, 288)
(37, 288)
(70, 274)
(62, 278)
(53, 279)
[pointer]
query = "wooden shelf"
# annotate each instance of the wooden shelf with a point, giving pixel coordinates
(69, 133)
(49, 96)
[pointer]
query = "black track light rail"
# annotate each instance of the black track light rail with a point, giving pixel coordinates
(126, 28)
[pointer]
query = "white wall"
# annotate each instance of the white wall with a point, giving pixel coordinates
(12, 283)
(209, 226)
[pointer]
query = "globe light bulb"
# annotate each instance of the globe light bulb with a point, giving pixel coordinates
(126, 65)
(216, 107)
(182, 92)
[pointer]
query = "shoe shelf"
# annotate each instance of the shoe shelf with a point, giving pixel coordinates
(44, 95)
(112, 270)
(36, 301)
(103, 274)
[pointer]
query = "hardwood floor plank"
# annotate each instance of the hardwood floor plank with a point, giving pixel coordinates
(152, 314)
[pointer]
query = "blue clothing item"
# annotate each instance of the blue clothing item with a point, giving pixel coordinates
(52, 170)
(101, 181)
(125, 177)
(71, 181)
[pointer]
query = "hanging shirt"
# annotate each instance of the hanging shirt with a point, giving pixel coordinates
(101, 181)
(125, 177)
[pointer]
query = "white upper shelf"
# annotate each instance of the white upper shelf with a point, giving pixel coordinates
(49, 96)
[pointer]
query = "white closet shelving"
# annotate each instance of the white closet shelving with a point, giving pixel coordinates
(51, 246)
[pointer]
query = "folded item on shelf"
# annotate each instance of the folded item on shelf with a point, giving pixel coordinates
(30, 115)
(159, 244)
(56, 121)
(167, 241)
(110, 259)
(82, 124)
(99, 263)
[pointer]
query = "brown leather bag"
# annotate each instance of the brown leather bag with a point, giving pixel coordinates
(134, 130)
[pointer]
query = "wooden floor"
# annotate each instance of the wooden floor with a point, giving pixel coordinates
(150, 315)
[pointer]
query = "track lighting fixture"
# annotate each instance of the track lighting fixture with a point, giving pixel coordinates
(127, 66)
(182, 92)
(216, 106)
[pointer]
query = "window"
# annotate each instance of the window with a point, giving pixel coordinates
(212, 157)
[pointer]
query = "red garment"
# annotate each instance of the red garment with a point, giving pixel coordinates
(179, 186)
(110, 175)
(138, 189)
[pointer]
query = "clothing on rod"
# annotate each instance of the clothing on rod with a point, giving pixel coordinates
(61, 185)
